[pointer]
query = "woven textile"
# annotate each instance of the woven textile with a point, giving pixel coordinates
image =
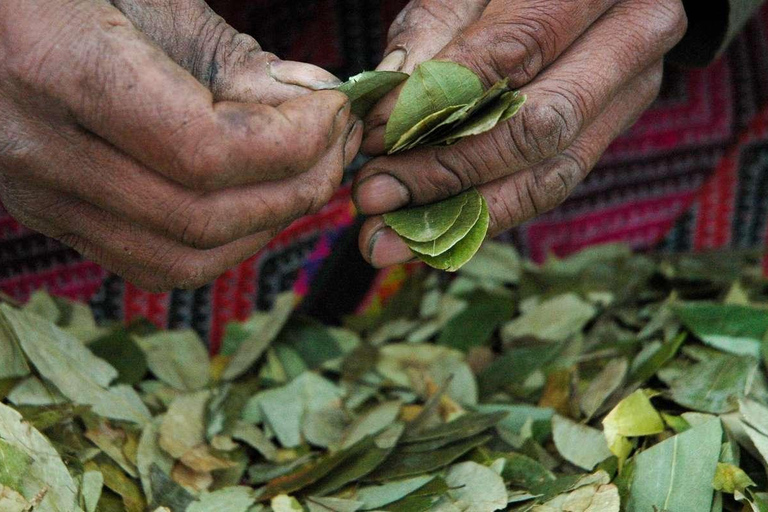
(691, 174)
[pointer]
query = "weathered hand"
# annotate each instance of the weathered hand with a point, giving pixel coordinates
(153, 138)
(589, 68)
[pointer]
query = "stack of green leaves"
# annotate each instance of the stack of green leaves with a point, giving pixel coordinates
(439, 104)
(604, 382)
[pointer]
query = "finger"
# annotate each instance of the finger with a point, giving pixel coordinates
(563, 100)
(93, 171)
(142, 257)
(128, 92)
(231, 64)
(522, 196)
(513, 39)
(423, 28)
(516, 198)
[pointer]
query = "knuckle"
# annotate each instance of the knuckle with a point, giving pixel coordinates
(558, 182)
(310, 199)
(188, 273)
(673, 20)
(231, 49)
(194, 225)
(452, 176)
(421, 14)
(518, 50)
(477, 49)
(543, 130)
(202, 168)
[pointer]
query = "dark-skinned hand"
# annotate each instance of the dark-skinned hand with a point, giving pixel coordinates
(589, 68)
(156, 140)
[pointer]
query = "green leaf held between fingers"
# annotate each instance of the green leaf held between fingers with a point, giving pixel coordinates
(427, 223)
(455, 257)
(432, 87)
(367, 88)
(468, 217)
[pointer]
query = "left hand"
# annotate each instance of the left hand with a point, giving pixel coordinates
(589, 68)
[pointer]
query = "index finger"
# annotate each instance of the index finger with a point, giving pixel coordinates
(117, 84)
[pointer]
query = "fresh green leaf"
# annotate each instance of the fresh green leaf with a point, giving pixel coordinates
(427, 223)
(433, 86)
(367, 88)
(455, 257)
(470, 213)
(731, 328)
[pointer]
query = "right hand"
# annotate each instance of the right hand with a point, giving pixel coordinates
(156, 140)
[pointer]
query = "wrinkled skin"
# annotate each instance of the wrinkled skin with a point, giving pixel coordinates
(154, 139)
(589, 68)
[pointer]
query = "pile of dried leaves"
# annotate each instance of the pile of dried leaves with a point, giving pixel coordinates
(598, 383)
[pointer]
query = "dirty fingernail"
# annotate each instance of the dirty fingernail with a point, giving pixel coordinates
(392, 62)
(388, 249)
(352, 144)
(381, 193)
(302, 75)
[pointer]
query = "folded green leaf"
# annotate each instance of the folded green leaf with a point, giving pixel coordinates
(455, 257)
(470, 213)
(367, 88)
(433, 86)
(427, 223)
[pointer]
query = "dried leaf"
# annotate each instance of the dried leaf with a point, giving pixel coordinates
(677, 474)
(177, 358)
(75, 371)
(580, 445)
(45, 474)
(263, 330)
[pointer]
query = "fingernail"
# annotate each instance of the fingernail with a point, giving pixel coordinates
(387, 249)
(392, 62)
(302, 75)
(381, 193)
(352, 141)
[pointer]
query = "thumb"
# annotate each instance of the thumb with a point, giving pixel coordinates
(229, 63)
(423, 28)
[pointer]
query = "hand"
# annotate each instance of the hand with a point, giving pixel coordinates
(156, 140)
(589, 68)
